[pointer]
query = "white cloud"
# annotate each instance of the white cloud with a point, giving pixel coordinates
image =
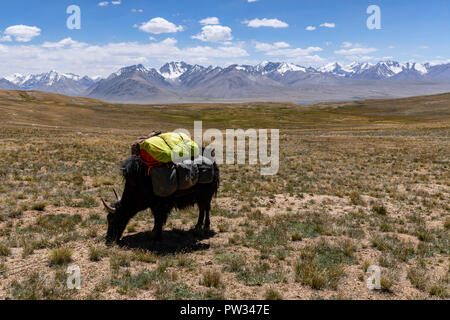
(272, 23)
(116, 3)
(214, 33)
(355, 51)
(314, 60)
(328, 25)
(281, 51)
(103, 4)
(210, 20)
(67, 42)
(220, 52)
(362, 58)
(295, 52)
(160, 25)
(424, 47)
(261, 46)
(347, 44)
(21, 33)
(69, 55)
(310, 28)
(5, 39)
(439, 60)
(137, 10)
(252, 1)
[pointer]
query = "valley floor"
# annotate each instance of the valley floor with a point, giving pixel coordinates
(360, 184)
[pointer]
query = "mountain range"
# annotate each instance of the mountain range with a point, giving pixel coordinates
(267, 81)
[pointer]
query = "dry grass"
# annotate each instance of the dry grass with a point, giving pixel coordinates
(360, 184)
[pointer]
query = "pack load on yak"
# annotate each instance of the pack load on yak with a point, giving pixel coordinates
(174, 162)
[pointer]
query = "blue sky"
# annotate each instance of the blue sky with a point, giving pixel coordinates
(34, 37)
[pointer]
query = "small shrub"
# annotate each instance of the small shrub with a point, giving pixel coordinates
(223, 227)
(3, 269)
(60, 257)
(35, 286)
(447, 223)
(439, 289)
(119, 260)
(322, 266)
(387, 283)
(258, 274)
(297, 237)
(379, 209)
(184, 261)
(214, 294)
(96, 254)
(418, 278)
(211, 279)
(144, 256)
(232, 262)
(424, 234)
(39, 206)
(272, 294)
(128, 283)
(355, 198)
(4, 250)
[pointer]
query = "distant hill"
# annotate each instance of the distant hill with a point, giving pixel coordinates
(268, 81)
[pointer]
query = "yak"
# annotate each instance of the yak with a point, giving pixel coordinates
(138, 196)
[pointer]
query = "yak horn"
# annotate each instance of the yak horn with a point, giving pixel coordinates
(108, 207)
(117, 197)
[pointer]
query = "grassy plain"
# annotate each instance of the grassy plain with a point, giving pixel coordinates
(360, 183)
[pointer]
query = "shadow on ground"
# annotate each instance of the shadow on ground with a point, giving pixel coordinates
(173, 241)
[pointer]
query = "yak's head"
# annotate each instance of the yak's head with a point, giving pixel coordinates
(117, 220)
(136, 197)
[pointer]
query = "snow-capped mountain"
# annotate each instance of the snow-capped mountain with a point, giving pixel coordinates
(174, 70)
(16, 78)
(278, 67)
(180, 81)
(129, 83)
(380, 71)
(336, 69)
(63, 83)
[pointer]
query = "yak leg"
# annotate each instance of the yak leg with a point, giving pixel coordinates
(160, 220)
(207, 221)
(201, 217)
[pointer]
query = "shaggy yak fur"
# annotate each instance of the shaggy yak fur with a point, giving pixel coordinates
(138, 196)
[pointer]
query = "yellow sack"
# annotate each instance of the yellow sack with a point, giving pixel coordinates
(162, 146)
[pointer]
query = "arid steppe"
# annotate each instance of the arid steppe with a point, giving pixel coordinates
(360, 183)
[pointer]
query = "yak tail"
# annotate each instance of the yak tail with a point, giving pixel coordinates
(216, 179)
(211, 154)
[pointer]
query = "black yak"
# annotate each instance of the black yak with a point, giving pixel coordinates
(138, 196)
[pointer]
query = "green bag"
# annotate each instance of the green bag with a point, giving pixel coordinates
(162, 147)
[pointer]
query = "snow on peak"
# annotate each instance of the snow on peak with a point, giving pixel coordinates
(420, 68)
(280, 67)
(16, 78)
(331, 67)
(286, 67)
(138, 67)
(174, 70)
(263, 64)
